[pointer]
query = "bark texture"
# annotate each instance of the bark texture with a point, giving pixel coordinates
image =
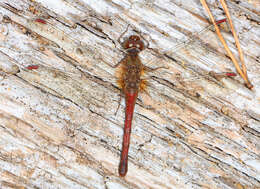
(57, 122)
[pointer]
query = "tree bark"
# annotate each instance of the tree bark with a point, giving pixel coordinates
(57, 122)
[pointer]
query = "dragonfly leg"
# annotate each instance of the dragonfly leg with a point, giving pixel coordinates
(119, 102)
(122, 34)
(146, 41)
(122, 61)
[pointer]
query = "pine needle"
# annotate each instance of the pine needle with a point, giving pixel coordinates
(243, 72)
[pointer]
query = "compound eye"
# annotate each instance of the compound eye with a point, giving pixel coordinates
(140, 45)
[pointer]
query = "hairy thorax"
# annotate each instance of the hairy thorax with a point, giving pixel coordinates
(132, 75)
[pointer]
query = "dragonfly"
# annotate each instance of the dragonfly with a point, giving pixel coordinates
(131, 82)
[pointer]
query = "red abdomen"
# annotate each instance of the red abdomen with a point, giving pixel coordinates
(130, 98)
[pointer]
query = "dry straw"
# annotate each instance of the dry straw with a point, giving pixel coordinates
(242, 72)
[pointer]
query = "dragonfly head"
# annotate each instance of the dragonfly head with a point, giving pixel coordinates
(133, 44)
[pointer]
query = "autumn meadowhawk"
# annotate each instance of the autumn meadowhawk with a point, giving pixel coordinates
(130, 82)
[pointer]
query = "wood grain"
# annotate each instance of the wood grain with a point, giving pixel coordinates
(57, 122)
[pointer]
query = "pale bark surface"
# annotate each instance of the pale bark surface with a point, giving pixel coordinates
(57, 123)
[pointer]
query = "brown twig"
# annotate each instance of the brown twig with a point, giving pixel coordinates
(243, 73)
